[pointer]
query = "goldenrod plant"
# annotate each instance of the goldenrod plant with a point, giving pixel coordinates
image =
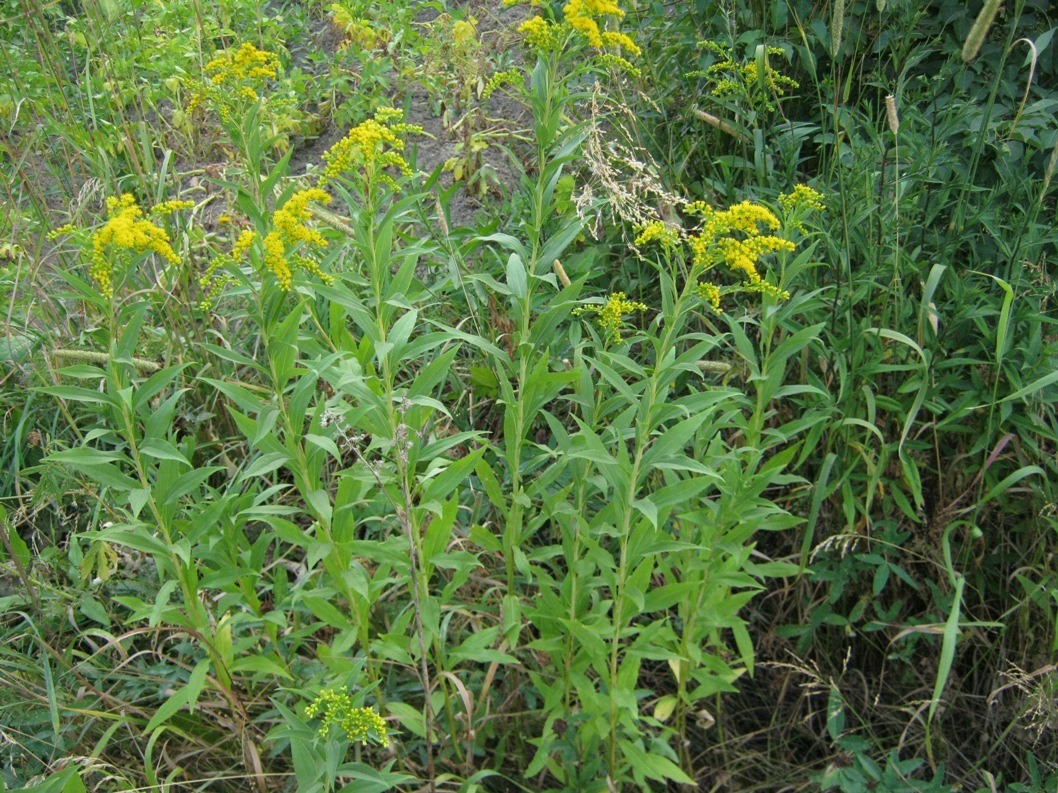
(527, 396)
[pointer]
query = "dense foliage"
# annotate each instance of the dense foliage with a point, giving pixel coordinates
(572, 396)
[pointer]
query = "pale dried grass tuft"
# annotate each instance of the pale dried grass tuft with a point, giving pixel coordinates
(625, 174)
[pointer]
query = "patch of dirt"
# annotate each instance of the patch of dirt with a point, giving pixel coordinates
(496, 26)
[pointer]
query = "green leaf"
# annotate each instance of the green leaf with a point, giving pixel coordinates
(326, 612)
(509, 242)
(648, 508)
(233, 357)
(94, 610)
(18, 546)
(409, 717)
(671, 443)
(947, 647)
(195, 681)
(87, 456)
(66, 781)
(83, 371)
(653, 765)
(835, 715)
(664, 707)
(1033, 387)
(744, 643)
(238, 394)
(155, 384)
(169, 491)
(168, 709)
(137, 537)
(16, 348)
(324, 443)
(401, 331)
(517, 280)
(264, 464)
(448, 477)
(261, 664)
(477, 648)
(95, 464)
(1012, 479)
(162, 450)
(491, 484)
(559, 241)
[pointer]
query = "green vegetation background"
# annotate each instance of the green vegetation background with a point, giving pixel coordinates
(562, 396)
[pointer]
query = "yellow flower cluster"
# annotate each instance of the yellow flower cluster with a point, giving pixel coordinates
(335, 707)
(210, 285)
(65, 228)
(373, 146)
(743, 80)
(710, 293)
(802, 197)
(733, 237)
(169, 207)
(738, 237)
(500, 79)
(465, 31)
(801, 201)
(246, 64)
(357, 31)
(585, 17)
(242, 245)
(744, 216)
(125, 229)
(616, 62)
(620, 41)
(540, 34)
(288, 233)
(234, 75)
(610, 316)
(666, 235)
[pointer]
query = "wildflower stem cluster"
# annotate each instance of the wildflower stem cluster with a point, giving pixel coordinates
(286, 245)
(588, 21)
(233, 78)
(334, 707)
(369, 149)
(611, 315)
(755, 82)
(126, 231)
(740, 238)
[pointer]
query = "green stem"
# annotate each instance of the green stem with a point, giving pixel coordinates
(643, 440)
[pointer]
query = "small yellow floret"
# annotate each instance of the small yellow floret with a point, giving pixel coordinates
(710, 293)
(335, 707)
(125, 229)
(540, 34)
(169, 207)
(289, 230)
(373, 146)
(667, 236)
(245, 63)
(610, 316)
(802, 196)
